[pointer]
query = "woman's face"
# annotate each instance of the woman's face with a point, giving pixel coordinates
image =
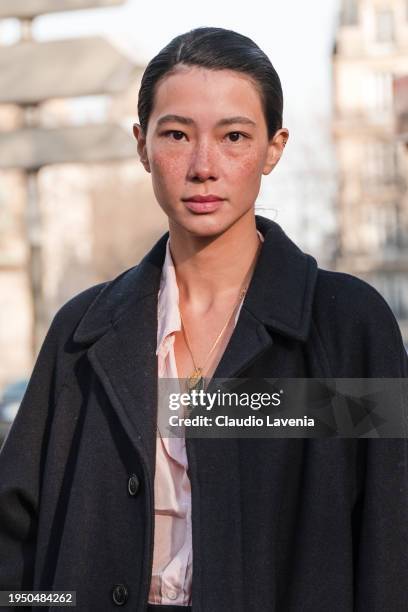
(207, 136)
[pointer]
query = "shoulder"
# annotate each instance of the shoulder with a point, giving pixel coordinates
(358, 326)
(96, 306)
(57, 349)
(71, 312)
(342, 293)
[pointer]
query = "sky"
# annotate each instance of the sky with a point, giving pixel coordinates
(297, 36)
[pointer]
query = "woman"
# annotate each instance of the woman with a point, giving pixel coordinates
(91, 501)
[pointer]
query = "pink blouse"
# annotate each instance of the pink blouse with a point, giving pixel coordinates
(172, 558)
(173, 555)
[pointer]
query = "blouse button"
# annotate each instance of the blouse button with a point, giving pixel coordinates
(172, 594)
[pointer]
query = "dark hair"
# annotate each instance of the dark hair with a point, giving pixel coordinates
(215, 49)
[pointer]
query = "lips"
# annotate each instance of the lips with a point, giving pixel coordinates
(203, 198)
(203, 204)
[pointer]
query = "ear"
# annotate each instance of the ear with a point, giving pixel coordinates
(275, 149)
(141, 145)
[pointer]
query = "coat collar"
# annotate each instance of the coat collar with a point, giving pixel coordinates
(280, 294)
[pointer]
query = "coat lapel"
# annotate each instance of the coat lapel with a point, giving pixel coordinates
(121, 329)
(279, 299)
(125, 360)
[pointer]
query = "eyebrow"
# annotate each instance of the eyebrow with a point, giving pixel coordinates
(188, 121)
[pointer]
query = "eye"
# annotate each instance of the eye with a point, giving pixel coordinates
(234, 134)
(175, 133)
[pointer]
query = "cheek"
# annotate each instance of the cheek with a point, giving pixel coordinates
(242, 169)
(248, 167)
(166, 168)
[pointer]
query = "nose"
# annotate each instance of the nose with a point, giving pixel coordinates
(203, 163)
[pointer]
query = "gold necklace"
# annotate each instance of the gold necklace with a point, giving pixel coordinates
(195, 379)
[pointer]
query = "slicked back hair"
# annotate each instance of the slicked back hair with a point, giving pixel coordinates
(215, 49)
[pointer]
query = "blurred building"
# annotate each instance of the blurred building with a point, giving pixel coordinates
(401, 111)
(371, 48)
(401, 118)
(15, 320)
(97, 220)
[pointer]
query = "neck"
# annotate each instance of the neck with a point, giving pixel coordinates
(212, 270)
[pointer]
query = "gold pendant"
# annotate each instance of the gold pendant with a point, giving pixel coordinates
(194, 381)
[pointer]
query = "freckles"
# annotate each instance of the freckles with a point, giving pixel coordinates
(250, 164)
(167, 165)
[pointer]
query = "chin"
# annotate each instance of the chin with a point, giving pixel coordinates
(203, 225)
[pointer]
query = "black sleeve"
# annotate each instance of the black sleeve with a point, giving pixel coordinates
(21, 459)
(362, 339)
(22, 456)
(381, 561)
(381, 534)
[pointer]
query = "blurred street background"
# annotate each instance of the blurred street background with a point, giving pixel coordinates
(76, 205)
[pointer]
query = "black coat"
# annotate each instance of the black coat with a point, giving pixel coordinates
(284, 525)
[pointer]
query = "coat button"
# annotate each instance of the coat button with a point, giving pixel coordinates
(119, 594)
(133, 484)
